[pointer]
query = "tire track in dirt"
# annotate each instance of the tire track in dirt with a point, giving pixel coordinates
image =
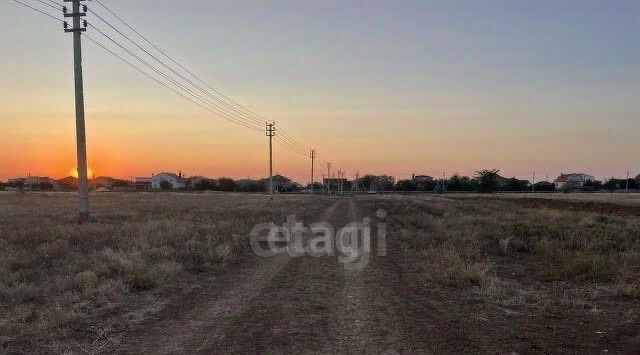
(291, 314)
(369, 318)
(198, 322)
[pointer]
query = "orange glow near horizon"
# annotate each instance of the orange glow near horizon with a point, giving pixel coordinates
(74, 172)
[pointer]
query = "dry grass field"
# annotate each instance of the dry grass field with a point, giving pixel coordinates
(168, 273)
(62, 281)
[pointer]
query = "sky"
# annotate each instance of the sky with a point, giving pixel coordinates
(381, 87)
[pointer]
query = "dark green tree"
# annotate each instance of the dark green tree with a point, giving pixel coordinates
(488, 180)
(166, 185)
(405, 185)
(226, 184)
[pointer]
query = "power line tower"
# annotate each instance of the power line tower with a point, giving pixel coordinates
(271, 132)
(312, 155)
(329, 178)
(77, 28)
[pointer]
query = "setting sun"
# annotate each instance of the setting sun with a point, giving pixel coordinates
(74, 172)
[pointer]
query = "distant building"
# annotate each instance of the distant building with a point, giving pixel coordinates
(69, 183)
(34, 183)
(176, 181)
(334, 184)
(143, 183)
(574, 179)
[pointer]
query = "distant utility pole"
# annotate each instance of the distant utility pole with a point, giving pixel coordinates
(81, 140)
(271, 132)
(533, 182)
(357, 182)
(312, 155)
(329, 178)
(339, 187)
(626, 189)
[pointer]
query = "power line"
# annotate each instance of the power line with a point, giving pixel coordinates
(155, 79)
(178, 64)
(219, 110)
(245, 111)
(289, 142)
(293, 140)
(58, 5)
(255, 120)
(291, 147)
(57, 8)
(38, 10)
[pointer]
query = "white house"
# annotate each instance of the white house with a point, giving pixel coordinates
(176, 181)
(575, 179)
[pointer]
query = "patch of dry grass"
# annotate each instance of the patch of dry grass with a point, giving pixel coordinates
(56, 273)
(459, 243)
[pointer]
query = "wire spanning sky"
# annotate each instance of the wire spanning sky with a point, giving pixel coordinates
(391, 87)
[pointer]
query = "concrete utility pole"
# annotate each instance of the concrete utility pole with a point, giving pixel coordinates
(329, 178)
(271, 132)
(312, 155)
(81, 140)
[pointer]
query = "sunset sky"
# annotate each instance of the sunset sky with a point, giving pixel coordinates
(383, 87)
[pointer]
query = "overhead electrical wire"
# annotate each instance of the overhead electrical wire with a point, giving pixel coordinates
(219, 111)
(175, 72)
(55, 7)
(247, 118)
(38, 10)
(177, 63)
(240, 108)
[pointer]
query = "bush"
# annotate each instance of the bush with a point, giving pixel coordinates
(166, 185)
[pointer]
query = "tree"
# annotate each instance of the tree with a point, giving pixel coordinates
(487, 180)
(226, 184)
(405, 185)
(385, 183)
(368, 181)
(611, 184)
(514, 184)
(569, 186)
(592, 185)
(460, 183)
(544, 186)
(166, 185)
(205, 184)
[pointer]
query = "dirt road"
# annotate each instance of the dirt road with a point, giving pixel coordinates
(318, 305)
(285, 304)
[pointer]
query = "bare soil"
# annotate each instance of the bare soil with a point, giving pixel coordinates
(316, 305)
